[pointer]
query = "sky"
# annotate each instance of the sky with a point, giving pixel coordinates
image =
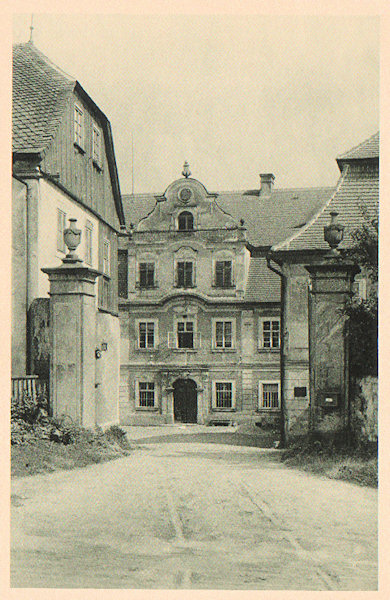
(235, 96)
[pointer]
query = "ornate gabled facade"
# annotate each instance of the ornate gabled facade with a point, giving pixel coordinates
(200, 316)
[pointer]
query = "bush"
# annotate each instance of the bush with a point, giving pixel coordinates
(29, 409)
(116, 434)
(42, 443)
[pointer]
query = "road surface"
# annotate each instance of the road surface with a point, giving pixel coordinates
(193, 516)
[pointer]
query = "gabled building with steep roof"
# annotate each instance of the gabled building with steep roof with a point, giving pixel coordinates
(355, 202)
(63, 167)
(199, 308)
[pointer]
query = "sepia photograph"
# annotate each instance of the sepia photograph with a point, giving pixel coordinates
(194, 299)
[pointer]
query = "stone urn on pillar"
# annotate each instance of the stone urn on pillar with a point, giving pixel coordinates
(72, 237)
(73, 335)
(331, 288)
(333, 233)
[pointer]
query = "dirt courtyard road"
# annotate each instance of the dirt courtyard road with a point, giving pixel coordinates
(193, 515)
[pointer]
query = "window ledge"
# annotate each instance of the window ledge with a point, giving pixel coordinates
(224, 287)
(185, 287)
(268, 410)
(214, 409)
(79, 148)
(154, 349)
(182, 350)
(223, 350)
(147, 408)
(269, 350)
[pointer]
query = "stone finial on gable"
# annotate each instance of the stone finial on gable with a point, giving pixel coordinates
(186, 170)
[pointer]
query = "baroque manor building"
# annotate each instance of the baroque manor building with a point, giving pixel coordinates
(199, 308)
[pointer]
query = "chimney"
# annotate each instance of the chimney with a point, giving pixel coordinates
(266, 184)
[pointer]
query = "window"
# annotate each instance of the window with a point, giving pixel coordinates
(78, 127)
(224, 395)
(146, 394)
(105, 293)
(61, 226)
(96, 146)
(122, 273)
(185, 334)
(185, 221)
(223, 273)
(146, 334)
(269, 394)
(223, 334)
(88, 242)
(270, 333)
(146, 274)
(106, 256)
(185, 274)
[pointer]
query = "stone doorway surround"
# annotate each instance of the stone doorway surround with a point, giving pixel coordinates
(199, 380)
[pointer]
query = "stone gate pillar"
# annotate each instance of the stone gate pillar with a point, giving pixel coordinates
(330, 288)
(73, 340)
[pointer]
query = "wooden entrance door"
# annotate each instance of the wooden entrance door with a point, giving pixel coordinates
(185, 401)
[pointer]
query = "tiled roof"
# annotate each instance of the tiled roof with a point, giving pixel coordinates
(39, 96)
(367, 149)
(263, 285)
(357, 194)
(267, 219)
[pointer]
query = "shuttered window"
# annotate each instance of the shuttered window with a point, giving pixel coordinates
(88, 242)
(78, 126)
(61, 226)
(96, 146)
(106, 256)
(122, 274)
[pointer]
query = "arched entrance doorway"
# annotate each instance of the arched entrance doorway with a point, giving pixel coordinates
(185, 401)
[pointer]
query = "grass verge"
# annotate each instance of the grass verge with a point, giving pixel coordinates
(358, 465)
(37, 453)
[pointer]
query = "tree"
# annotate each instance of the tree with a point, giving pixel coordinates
(363, 315)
